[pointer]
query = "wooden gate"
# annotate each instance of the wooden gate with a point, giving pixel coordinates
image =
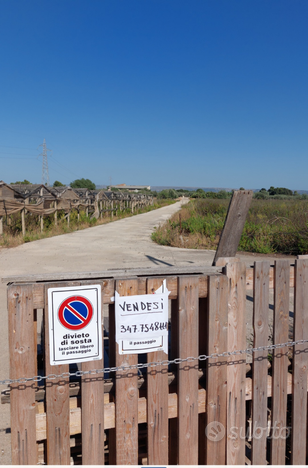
(218, 410)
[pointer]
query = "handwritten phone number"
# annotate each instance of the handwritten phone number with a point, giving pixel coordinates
(144, 327)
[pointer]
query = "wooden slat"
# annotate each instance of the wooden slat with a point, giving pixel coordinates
(188, 371)
(126, 395)
(236, 415)
(157, 401)
(92, 411)
(174, 351)
(216, 376)
(57, 404)
(280, 361)
(260, 363)
(234, 224)
(300, 364)
(22, 364)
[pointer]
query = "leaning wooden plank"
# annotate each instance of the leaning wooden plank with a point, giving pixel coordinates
(157, 400)
(92, 412)
(216, 376)
(57, 403)
(300, 364)
(280, 361)
(260, 363)
(236, 273)
(126, 395)
(188, 371)
(22, 364)
(234, 224)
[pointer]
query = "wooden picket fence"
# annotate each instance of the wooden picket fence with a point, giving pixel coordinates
(214, 411)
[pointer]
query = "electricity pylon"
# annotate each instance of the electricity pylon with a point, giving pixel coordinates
(45, 172)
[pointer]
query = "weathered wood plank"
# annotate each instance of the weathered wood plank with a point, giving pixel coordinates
(188, 371)
(216, 371)
(157, 401)
(260, 363)
(57, 403)
(126, 395)
(236, 415)
(114, 274)
(234, 224)
(300, 364)
(22, 364)
(92, 411)
(280, 361)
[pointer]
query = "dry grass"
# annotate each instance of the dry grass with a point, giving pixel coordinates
(272, 226)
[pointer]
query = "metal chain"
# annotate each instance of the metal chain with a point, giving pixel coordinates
(201, 357)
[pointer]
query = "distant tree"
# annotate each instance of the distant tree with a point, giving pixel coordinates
(83, 183)
(25, 182)
(242, 188)
(58, 184)
(280, 191)
(167, 193)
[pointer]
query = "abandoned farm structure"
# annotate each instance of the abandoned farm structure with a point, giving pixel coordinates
(40, 200)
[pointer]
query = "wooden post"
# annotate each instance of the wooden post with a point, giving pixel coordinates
(126, 394)
(157, 400)
(1, 225)
(68, 218)
(22, 364)
(236, 372)
(56, 213)
(234, 224)
(300, 364)
(280, 362)
(188, 372)
(111, 209)
(23, 224)
(216, 371)
(42, 223)
(260, 369)
(87, 211)
(57, 403)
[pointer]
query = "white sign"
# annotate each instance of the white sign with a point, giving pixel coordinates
(75, 324)
(142, 322)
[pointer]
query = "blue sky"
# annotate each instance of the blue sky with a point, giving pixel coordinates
(204, 93)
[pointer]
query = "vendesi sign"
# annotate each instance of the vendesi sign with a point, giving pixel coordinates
(142, 322)
(75, 324)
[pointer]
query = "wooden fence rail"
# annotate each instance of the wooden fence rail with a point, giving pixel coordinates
(218, 411)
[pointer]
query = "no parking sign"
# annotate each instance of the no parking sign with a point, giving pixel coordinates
(75, 325)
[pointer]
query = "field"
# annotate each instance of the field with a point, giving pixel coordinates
(272, 226)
